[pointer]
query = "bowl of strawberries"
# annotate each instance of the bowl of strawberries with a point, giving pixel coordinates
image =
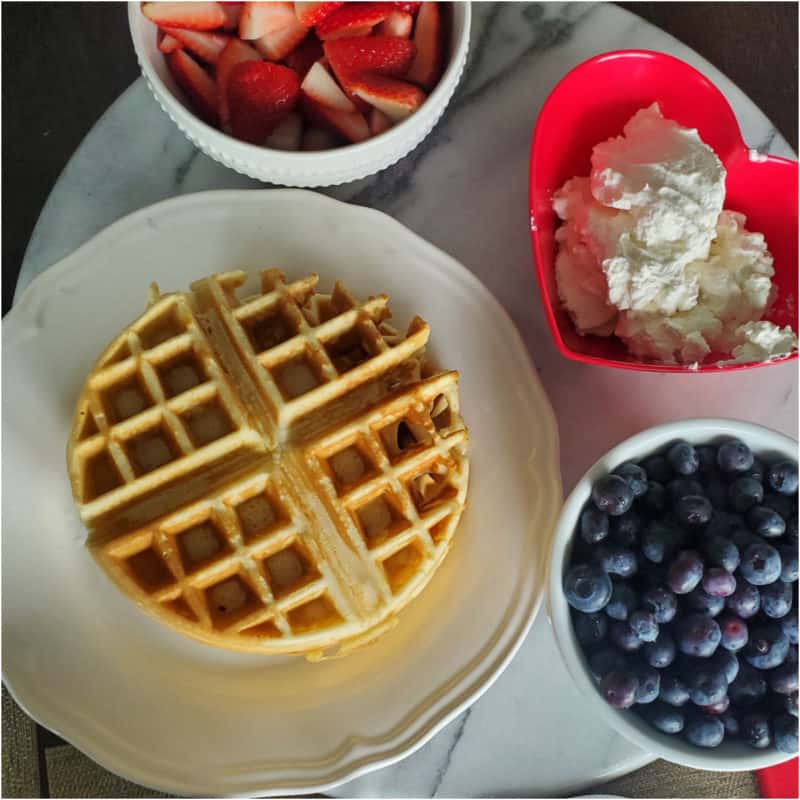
(307, 93)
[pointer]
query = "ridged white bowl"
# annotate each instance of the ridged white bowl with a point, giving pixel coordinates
(322, 168)
(730, 756)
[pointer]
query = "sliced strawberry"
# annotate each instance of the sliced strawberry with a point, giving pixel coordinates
(276, 45)
(411, 8)
(232, 13)
(318, 139)
(320, 86)
(260, 95)
(397, 99)
(352, 19)
(287, 134)
(195, 16)
(259, 19)
(307, 53)
(398, 23)
(349, 125)
(388, 55)
(235, 52)
(429, 39)
(198, 85)
(378, 122)
(203, 44)
(167, 44)
(310, 14)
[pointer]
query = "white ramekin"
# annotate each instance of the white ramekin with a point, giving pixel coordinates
(730, 756)
(323, 168)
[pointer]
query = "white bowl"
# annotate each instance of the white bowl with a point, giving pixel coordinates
(730, 756)
(323, 168)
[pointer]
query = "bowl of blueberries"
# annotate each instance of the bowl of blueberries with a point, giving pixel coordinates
(673, 592)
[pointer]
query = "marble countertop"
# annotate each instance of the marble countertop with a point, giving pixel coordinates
(465, 190)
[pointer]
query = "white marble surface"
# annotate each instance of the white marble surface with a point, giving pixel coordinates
(465, 189)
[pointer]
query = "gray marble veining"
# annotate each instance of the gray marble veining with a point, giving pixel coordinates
(465, 190)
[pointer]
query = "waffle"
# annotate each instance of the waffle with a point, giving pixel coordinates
(279, 473)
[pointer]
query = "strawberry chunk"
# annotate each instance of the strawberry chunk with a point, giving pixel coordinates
(203, 44)
(350, 126)
(378, 122)
(232, 11)
(321, 87)
(411, 8)
(398, 23)
(260, 95)
(352, 19)
(235, 52)
(388, 55)
(195, 16)
(305, 55)
(429, 39)
(276, 45)
(167, 44)
(287, 134)
(397, 99)
(310, 14)
(198, 85)
(259, 19)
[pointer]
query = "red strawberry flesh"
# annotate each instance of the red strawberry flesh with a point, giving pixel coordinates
(194, 16)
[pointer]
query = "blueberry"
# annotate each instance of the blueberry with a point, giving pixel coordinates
(683, 458)
(725, 663)
(788, 556)
(722, 552)
(749, 687)
(660, 540)
(731, 723)
(789, 627)
(612, 495)
(644, 625)
(761, 564)
(757, 470)
(700, 600)
(624, 637)
(673, 688)
(617, 560)
(744, 493)
(625, 528)
(734, 456)
(587, 587)
(782, 477)
(780, 503)
(663, 717)
(718, 708)
(594, 525)
(685, 572)
(767, 646)
(791, 529)
(716, 490)
(693, 510)
(589, 628)
(791, 704)
(706, 457)
(654, 501)
(657, 469)
(623, 602)
(784, 728)
(619, 688)
(649, 683)
(706, 686)
(635, 476)
(698, 635)
(756, 730)
(662, 602)
(604, 660)
(784, 679)
(766, 522)
(745, 602)
(704, 730)
(734, 632)
(683, 487)
(776, 599)
(723, 523)
(719, 582)
(661, 652)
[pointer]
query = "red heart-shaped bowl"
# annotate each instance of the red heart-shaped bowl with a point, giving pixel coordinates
(591, 104)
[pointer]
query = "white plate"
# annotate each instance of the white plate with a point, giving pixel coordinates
(171, 713)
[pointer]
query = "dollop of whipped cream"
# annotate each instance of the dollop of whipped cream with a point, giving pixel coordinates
(646, 252)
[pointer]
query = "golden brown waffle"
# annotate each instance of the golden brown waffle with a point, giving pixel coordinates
(279, 473)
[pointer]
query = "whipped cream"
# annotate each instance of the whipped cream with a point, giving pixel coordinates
(646, 252)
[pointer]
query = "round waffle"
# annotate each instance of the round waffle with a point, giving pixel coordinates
(279, 473)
